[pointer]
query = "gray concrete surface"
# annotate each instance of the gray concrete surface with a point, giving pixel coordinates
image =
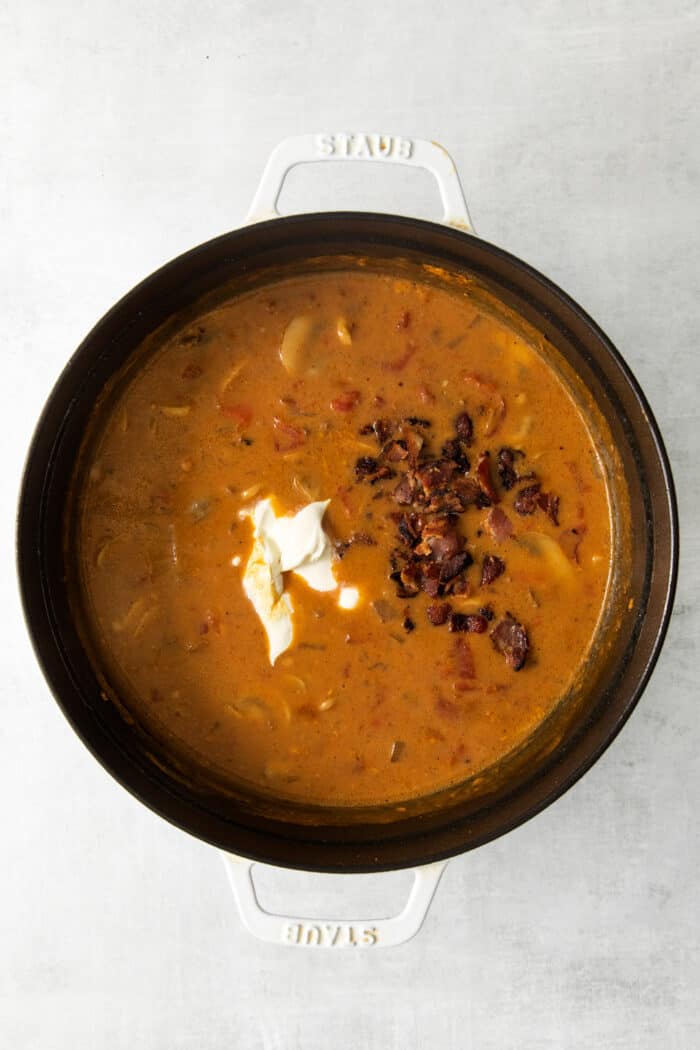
(132, 131)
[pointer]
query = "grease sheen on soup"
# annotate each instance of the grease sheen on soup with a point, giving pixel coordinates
(468, 507)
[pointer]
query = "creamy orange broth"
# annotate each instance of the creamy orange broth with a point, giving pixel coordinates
(361, 708)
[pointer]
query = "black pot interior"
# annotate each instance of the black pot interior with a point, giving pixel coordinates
(382, 837)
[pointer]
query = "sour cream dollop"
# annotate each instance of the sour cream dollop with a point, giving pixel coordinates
(292, 543)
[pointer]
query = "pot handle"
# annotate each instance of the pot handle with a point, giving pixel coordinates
(332, 933)
(375, 148)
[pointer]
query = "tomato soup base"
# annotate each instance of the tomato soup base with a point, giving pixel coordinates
(469, 510)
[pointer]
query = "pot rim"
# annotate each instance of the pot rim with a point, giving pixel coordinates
(417, 844)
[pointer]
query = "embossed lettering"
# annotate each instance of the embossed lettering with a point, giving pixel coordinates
(338, 935)
(292, 933)
(325, 145)
(334, 935)
(313, 934)
(384, 145)
(342, 144)
(362, 147)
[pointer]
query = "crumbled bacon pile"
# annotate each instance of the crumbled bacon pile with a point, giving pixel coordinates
(431, 493)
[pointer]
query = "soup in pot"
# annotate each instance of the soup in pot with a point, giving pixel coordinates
(345, 538)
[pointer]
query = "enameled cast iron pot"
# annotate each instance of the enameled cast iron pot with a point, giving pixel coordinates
(371, 839)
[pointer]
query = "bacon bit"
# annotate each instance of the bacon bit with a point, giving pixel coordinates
(431, 582)
(483, 473)
(530, 498)
(464, 427)
(408, 589)
(406, 534)
(346, 401)
(360, 539)
(426, 395)
(240, 414)
(400, 363)
(192, 371)
(469, 493)
(452, 567)
(369, 468)
(396, 451)
(498, 410)
(510, 638)
(472, 623)
(550, 505)
(464, 658)
(415, 443)
(456, 450)
(499, 525)
(408, 581)
(366, 466)
(491, 568)
(404, 320)
(441, 540)
(506, 467)
(526, 501)
(570, 541)
(381, 428)
(459, 586)
(436, 476)
(487, 612)
(287, 436)
(404, 491)
(438, 613)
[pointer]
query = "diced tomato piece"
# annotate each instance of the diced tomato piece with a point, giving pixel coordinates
(287, 436)
(241, 414)
(346, 401)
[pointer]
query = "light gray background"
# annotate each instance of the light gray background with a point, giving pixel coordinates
(134, 130)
